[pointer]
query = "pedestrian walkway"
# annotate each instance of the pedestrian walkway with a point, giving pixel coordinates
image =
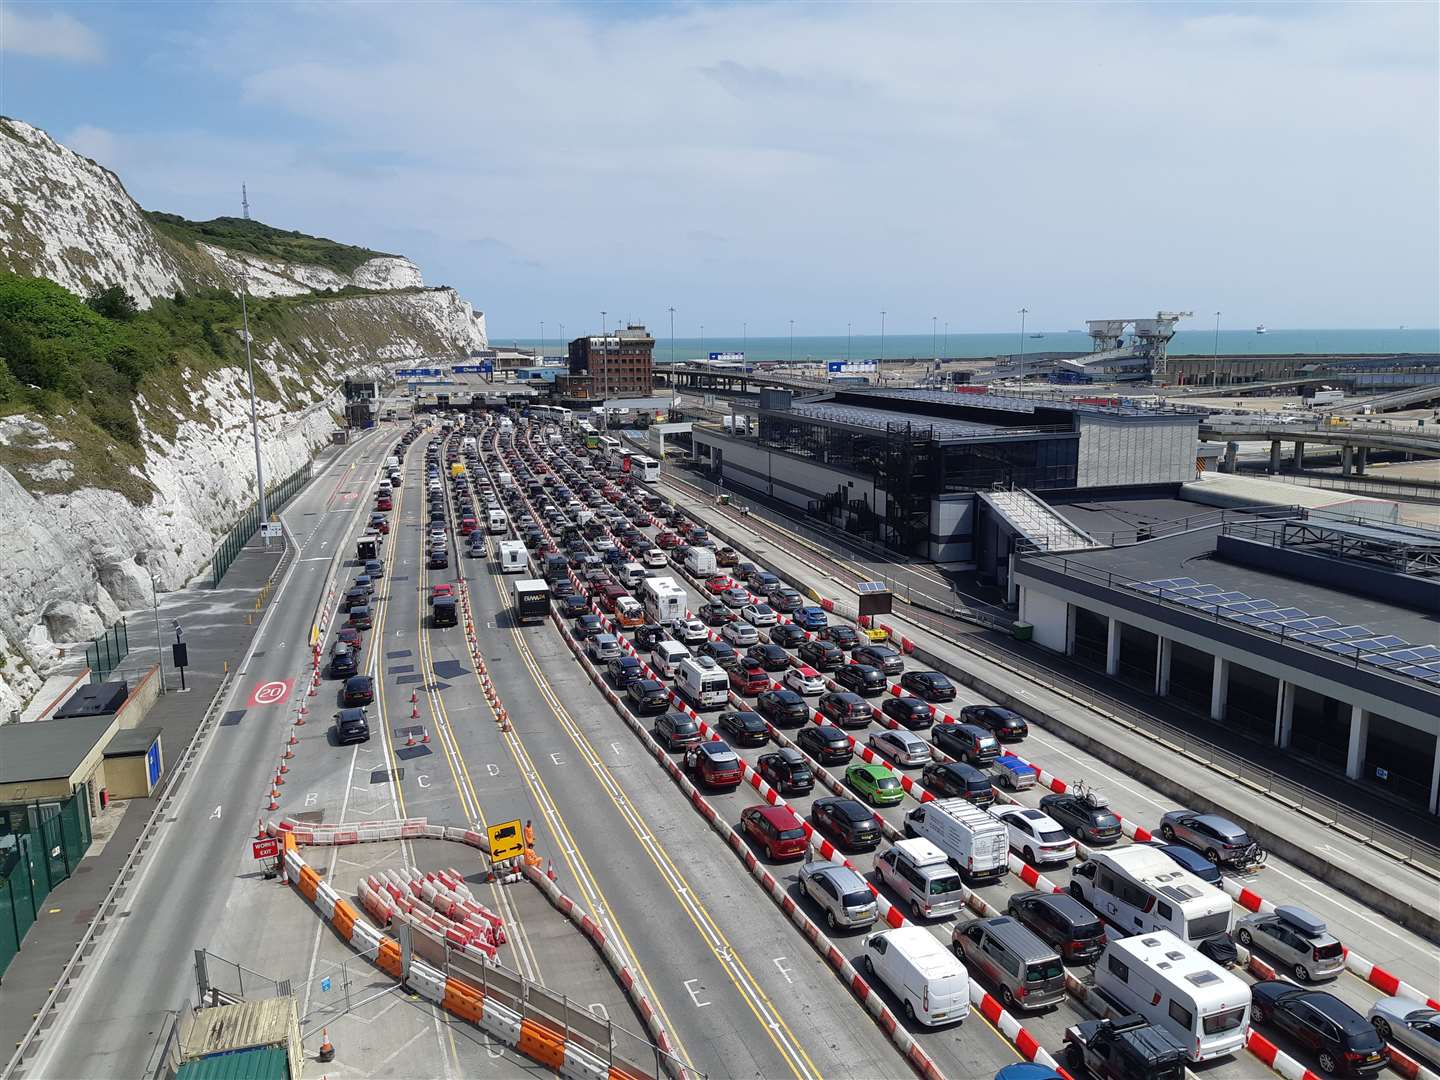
(218, 625)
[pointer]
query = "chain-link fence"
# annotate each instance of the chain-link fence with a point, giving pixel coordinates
(103, 655)
(236, 539)
(41, 843)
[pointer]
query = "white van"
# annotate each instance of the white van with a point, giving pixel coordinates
(496, 523)
(702, 682)
(931, 984)
(631, 574)
(1138, 889)
(667, 657)
(700, 562)
(975, 842)
(1205, 1007)
(513, 557)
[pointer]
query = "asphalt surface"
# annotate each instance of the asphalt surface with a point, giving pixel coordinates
(1397, 950)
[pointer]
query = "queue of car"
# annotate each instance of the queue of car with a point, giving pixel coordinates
(1034, 921)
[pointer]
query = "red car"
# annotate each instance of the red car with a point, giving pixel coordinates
(352, 637)
(667, 540)
(384, 503)
(719, 583)
(776, 829)
(467, 526)
(749, 679)
(714, 764)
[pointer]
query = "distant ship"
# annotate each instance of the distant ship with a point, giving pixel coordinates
(1037, 335)
(1260, 329)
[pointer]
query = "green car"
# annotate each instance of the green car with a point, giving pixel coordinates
(875, 783)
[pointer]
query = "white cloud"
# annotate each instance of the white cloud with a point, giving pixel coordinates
(53, 35)
(952, 158)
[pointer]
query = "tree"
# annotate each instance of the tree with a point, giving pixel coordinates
(114, 303)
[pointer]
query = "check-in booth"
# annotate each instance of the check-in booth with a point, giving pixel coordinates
(134, 762)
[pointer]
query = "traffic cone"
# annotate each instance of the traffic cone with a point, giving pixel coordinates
(314, 689)
(425, 737)
(415, 712)
(327, 1052)
(259, 828)
(283, 767)
(299, 719)
(410, 739)
(274, 804)
(289, 754)
(414, 697)
(293, 740)
(278, 778)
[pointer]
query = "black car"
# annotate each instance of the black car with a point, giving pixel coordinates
(786, 771)
(360, 617)
(846, 821)
(826, 743)
(1062, 921)
(623, 670)
(722, 652)
(885, 657)
(354, 598)
(443, 612)
(955, 779)
(439, 560)
(743, 727)
(1341, 1039)
(821, 655)
(648, 635)
(838, 633)
(359, 690)
(782, 707)
(1086, 816)
(845, 709)
(908, 712)
(930, 685)
(342, 663)
(862, 679)
(786, 635)
(972, 745)
(572, 605)
(587, 626)
(1007, 724)
(769, 657)
(714, 614)
(351, 726)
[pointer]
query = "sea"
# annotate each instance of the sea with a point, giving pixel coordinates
(924, 347)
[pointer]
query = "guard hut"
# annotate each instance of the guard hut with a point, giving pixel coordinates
(134, 762)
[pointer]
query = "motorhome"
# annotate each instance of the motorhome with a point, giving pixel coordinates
(664, 601)
(1138, 890)
(1194, 999)
(703, 682)
(514, 559)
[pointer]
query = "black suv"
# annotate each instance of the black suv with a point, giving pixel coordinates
(786, 771)
(722, 652)
(342, 663)
(847, 821)
(351, 726)
(885, 657)
(787, 635)
(648, 635)
(845, 709)
(782, 707)
(861, 679)
(769, 657)
(647, 697)
(741, 727)
(1007, 724)
(954, 779)
(359, 690)
(623, 670)
(909, 712)
(844, 636)
(821, 655)
(443, 611)
(826, 743)
(1341, 1039)
(1126, 1048)
(930, 685)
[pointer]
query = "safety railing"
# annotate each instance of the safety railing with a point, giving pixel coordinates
(240, 533)
(104, 653)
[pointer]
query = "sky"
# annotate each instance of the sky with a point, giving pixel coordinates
(758, 163)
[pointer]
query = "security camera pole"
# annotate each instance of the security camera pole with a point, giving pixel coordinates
(254, 423)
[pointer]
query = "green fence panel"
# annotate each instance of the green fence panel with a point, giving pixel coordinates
(9, 929)
(239, 535)
(103, 655)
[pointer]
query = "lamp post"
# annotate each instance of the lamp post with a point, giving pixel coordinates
(1023, 313)
(744, 337)
(605, 347)
(934, 321)
(947, 338)
(847, 342)
(702, 341)
(792, 341)
(542, 339)
(1215, 354)
(155, 606)
(672, 334)
(881, 371)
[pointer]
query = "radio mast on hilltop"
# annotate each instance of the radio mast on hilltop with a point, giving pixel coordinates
(244, 202)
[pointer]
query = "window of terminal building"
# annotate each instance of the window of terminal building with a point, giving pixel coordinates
(1399, 759)
(1250, 702)
(1192, 674)
(1320, 727)
(1092, 633)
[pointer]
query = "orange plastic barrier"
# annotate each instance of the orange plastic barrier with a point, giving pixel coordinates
(540, 1043)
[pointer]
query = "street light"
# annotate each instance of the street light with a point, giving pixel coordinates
(933, 322)
(1023, 313)
(792, 341)
(143, 559)
(605, 347)
(672, 334)
(542, 339)
(702, 341)
(847, 342)
(881, 370)
(1215, 354)
(947, 339)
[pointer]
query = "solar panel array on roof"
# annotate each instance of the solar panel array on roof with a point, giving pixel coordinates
(1357, 642)
(871, 587)
(880, 419)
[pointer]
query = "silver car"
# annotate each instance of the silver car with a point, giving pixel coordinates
(1295, 937)
(1217, 838)
(603, 647)
(1409, 1024)
(903, 747)
(841, 893)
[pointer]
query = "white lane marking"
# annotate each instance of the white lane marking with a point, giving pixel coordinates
(216, 814)
(695, 994)
(779, 962)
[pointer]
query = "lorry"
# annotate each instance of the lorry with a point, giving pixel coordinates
(532, 600)
(1326, 396)
(977, 844)
(367, 548)
(663, 600)
(513, 557)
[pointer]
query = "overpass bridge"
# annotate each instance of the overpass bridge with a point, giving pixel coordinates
(1355, 439)
(1396, 399)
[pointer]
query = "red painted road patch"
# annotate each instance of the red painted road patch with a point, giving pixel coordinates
(271, 693)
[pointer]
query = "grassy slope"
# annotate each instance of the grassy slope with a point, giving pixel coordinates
(238, 234)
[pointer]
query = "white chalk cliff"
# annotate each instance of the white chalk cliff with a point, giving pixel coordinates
(74, 556)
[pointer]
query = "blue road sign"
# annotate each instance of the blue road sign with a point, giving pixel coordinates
(833, 366)
(325, 984)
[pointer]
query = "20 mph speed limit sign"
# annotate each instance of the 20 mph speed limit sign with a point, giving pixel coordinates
(273, 692)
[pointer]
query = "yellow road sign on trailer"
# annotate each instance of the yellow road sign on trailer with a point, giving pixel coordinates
(506, 841)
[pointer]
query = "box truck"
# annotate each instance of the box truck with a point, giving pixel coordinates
(532, 600)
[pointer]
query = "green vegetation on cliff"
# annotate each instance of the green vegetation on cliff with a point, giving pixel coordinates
(240, 234)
